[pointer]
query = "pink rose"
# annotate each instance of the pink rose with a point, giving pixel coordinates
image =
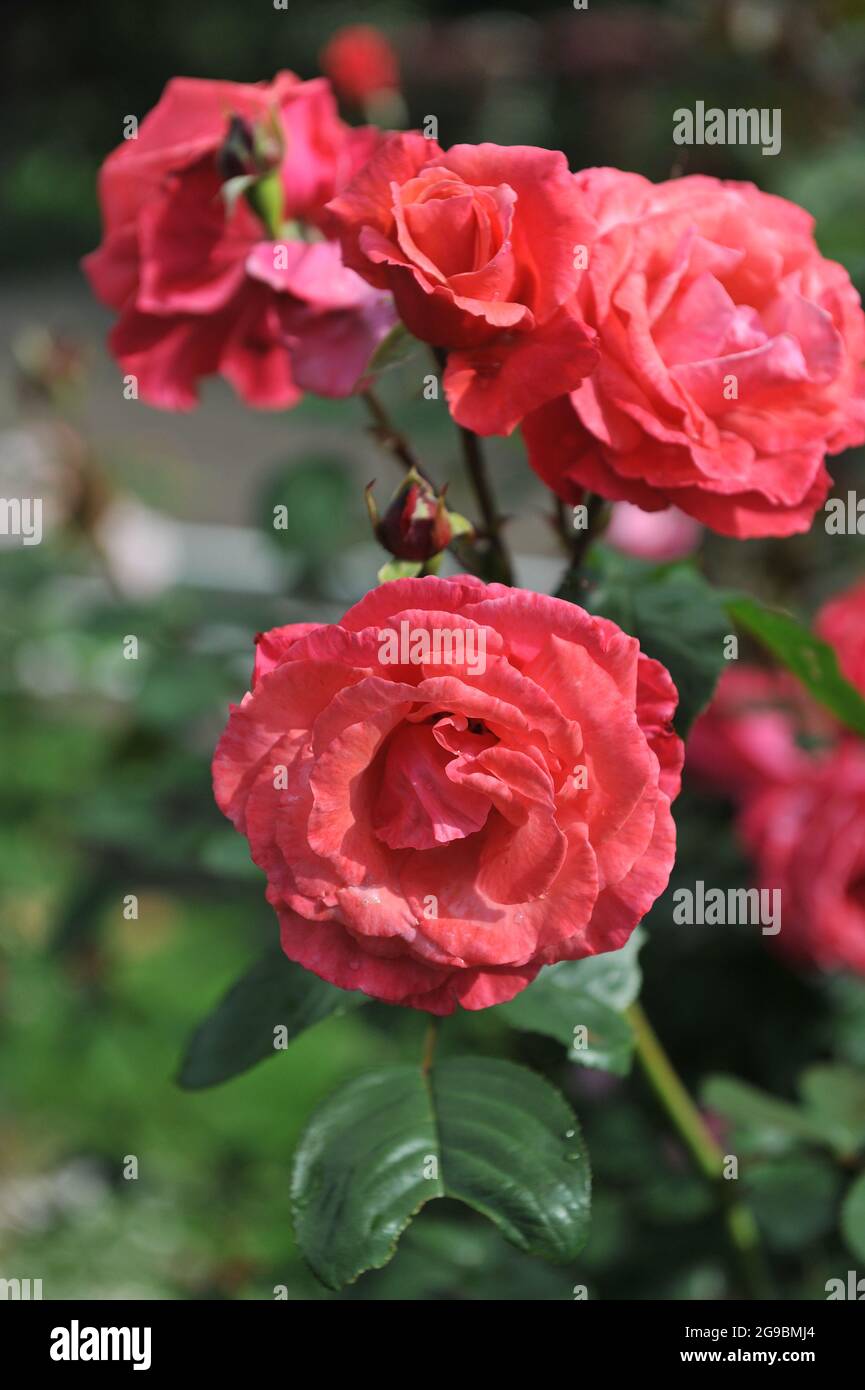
(659, 536)
(807, 839)
(480, 248)
(800, 780)
(730, 358)
(360, 63)
(437, 826)
(750, 734)
(202, 284)
(841, 623)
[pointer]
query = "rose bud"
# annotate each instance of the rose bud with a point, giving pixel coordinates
(236, 155)
(248, 151)
(416, 525)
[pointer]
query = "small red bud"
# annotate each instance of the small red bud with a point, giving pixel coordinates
(416, 525)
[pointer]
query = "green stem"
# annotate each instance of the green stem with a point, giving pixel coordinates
(429, 1047)
(707, 1154)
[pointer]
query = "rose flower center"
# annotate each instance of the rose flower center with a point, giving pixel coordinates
(423, 799)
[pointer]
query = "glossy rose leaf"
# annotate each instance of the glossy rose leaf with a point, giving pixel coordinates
(274, 994)
(776, 1122)
(675, 615)
(834, 1097)
(482, 1131)
(580, 1003)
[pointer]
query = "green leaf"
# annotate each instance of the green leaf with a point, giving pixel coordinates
(482, 1131)
(811, 660)
(460, 525)
(675, 615)
(591, 994)
(794, 1198)
(752, 1108)
(265, 197)
(834, 1098)
(853, 1217)
(240, 1032)
(832, 1113)
(359, 1168)
(399, 569)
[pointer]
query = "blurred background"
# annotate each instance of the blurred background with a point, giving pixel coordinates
(158, 526)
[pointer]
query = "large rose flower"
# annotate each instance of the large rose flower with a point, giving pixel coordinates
(203, 285)
(434, 830)
(480, 246)
(731, 358)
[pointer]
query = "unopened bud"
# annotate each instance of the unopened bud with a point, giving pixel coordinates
(416, 525)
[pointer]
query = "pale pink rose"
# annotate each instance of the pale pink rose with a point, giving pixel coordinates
(661, 536)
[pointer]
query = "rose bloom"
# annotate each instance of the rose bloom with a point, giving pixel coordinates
(434, 833)
(807, 838)
(360, 63)
(841, 623)
(479, 246)
(659, 536)
(200, 284)
(754, 731)
(799, 779)
(731, 358)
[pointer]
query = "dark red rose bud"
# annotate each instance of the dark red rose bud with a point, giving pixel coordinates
(248, 151)
(248, 161)
(416, 525)
(236, 155)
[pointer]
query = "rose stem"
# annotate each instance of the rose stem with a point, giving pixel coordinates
(476, 468)
(741, 1226)
(483, 492)
(598, 515)
(429, 1046)
(387, 433)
